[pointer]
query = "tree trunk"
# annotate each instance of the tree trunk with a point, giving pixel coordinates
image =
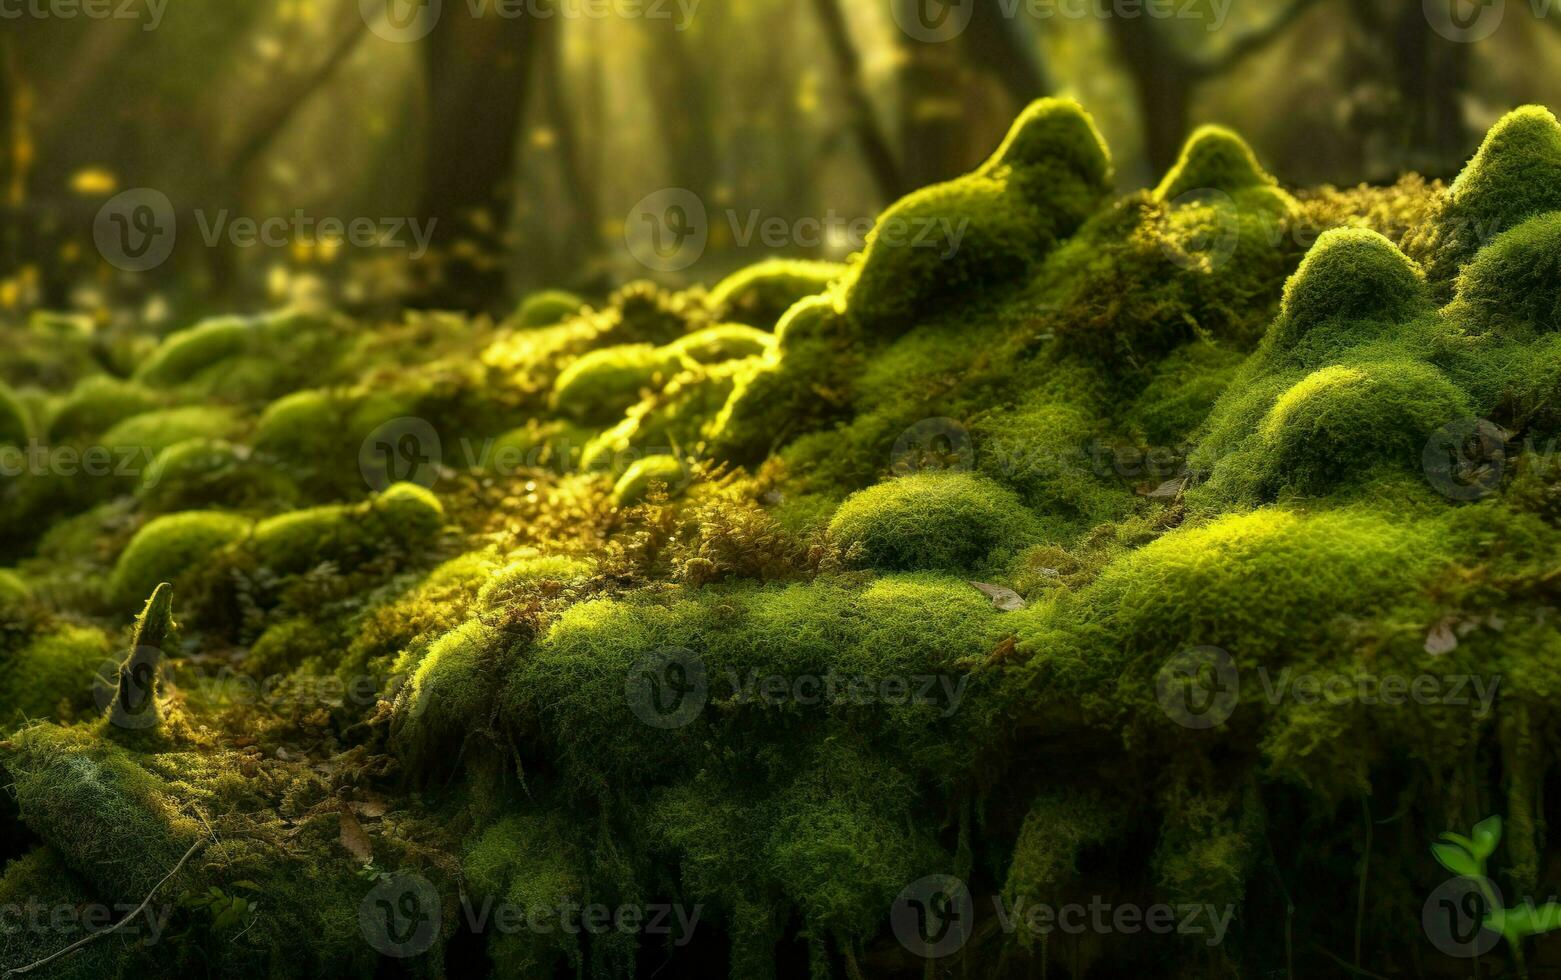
(870, 137)
(999, 44)
(1163, 81)
(478, 72)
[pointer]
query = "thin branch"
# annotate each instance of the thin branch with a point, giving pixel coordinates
(1252, 40)
(116, 926)
(279, 117)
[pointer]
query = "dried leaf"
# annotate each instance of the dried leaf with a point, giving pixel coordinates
(1441, 640)
(1003, 599)
(354, 838)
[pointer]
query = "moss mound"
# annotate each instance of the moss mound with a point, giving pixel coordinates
(1349, 274)
(758, 294)
(96, 405)
(955, 521)
(549, 306)
(1511, 285)
(15, 424)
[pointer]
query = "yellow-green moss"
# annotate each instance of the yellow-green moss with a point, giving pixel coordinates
(405, 517)
(188, 351)
(519, 577)
(758, 294)
(951, 520)
(153, 432)
(1351, 275)
(547, 307)
(600, 386)
(97, 404)
(986, 230)
(207, 473)
(15, 424)
(722, 342)
(171, 546)
(1511, 286)
(668, 472)
(52, 676)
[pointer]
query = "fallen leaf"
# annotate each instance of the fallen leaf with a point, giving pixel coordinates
(1441, 639)
(1003, 599)
(354, 838)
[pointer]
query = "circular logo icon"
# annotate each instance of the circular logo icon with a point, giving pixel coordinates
(667, 231)
(1454, 918)
(932, 21)
(933, 916)
(403, 450)
(1465, 460)
(401, 21)
(127, 691)
(667, 688)
(135, 230)
(933, 445)
(1198, 688)
(400, 915)
(1465, 21)
(1209, 228)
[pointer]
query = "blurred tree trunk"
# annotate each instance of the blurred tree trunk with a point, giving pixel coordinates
(477, 70)
(1420, 124)
(578, 177)
(1165, 76)
(870, 137)
(999, 44)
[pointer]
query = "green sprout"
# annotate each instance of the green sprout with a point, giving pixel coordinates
(1466, 857)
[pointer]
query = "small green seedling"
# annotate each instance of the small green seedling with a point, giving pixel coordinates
(1466, 857)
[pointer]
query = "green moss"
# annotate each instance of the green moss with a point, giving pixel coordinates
(1214, 158)
(955, 521)
(601, 386)
(213, 473)
(723, 342)
(1350, 274)
(1511, 286)
(986, 230)
(52, 676)
(1338, 423)
(97, 404)
(517, 578)
(317, 436)
(153, 432)
(675, 420)
(531, 863)
(668, 472)
(13, 588)
(405, 517)
(798, 386)
(15, 424)
(172, 546)
(185, 353)
(758, 294)
(38, 884)
(451, 692)
(394, 636)
(547, 307)
(1515, 175)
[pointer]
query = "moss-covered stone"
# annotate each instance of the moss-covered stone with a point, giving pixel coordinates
(1515, 175)
(1511, 286)
(153, 432)
(172, 546)
(546, 307)
(185, 353)
(758, 294)
(987, 229)
(97, 404)
(405, 517)
(671, 473)
(954, 521)
(1351, 275)
(52, 676)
